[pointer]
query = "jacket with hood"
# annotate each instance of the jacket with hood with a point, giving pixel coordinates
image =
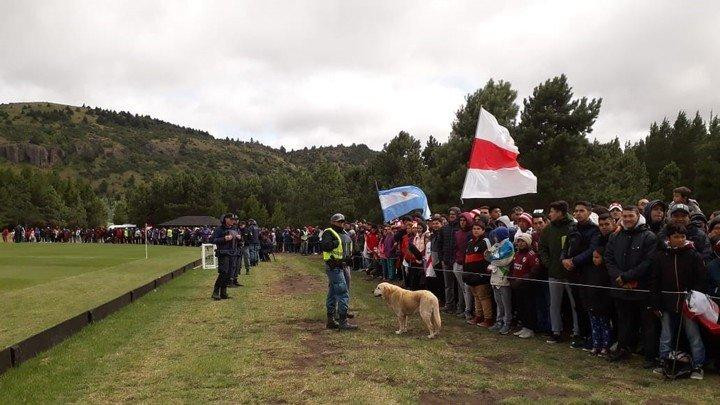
(628, 255)
(550, 247)
(657, 226)
(695, 235)
(461, 238)
(500, 255)
(475, 262)
(581, 242)
(675, 269)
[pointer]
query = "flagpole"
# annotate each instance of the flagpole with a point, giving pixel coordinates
(377, 190)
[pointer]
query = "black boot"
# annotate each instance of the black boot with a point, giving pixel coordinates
(235, 283)
(223, 292)
(216, 289)
(331, 322)
(344, 325)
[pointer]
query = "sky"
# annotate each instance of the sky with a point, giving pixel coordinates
(303, 73)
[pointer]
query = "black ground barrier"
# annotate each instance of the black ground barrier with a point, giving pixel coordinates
(5, 359)
(22, 351)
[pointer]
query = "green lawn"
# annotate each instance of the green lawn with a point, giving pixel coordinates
(44, 284)
(268, 344)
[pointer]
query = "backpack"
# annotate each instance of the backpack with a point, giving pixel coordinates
(677, 366)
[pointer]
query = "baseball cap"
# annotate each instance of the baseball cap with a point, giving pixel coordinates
(679, 207)
(337, 218)
(615, 206)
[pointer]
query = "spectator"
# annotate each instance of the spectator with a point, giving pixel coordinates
(551, 247)
(677, 267)
(461, 238)
(628, 256)
(477, 277)
(582, 240)
(500, 256)
(454, 302)
(655, 215)
(524, 262)
(679, 214)
(599, 303)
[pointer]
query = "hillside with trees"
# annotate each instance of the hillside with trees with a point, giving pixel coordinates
(143, 169)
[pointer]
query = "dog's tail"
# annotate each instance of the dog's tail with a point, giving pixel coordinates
(436, 321)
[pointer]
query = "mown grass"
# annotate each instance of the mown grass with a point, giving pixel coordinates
(268, 344)
(44, 284)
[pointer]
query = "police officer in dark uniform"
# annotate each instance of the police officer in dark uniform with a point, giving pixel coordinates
(225, 238)
(236, 256)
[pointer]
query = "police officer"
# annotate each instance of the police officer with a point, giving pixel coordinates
(224, 238)
(335, 260)
(236, 256)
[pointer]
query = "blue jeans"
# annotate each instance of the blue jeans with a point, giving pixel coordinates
(668, 338)
(337, 295)
(254, 253)
(246, 257)
(389, 268)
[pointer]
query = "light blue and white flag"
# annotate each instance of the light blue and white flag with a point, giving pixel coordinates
(399, 201)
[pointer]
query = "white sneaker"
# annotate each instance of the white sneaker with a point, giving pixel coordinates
(526, 333)
(697, 374)
(519, 332)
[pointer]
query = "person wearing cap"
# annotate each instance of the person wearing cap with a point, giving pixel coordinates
(679, 214)
(254, 242)
(524, 222)
(454, 303)
(338, 298)
(550, 249)
(225, 238)
(236, 257)
(616, 209)
(682, 195)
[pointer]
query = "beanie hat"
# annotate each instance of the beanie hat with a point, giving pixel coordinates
(525, 217)
(500, 234)
(524, 237)
(455, 210)
(505, 220)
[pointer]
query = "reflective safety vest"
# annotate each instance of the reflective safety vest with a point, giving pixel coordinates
(336, 253)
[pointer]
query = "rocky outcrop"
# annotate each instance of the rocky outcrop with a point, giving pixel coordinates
(34, 154)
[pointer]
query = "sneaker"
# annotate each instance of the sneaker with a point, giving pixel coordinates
(697, 374)
(658, 370)
(496, 327)
(472, 321)
(487, 323)
(505, 330)
(554, 338)
(518, 333)
(526, 333)
(460, 314)
(618, 355)
(650, 364)
(577, 342)
(595, 351)
(603, 353)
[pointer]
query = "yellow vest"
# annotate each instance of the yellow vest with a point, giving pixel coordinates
(336, 253)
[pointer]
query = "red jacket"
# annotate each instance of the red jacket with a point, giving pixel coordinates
(371, 239)
(524, 261)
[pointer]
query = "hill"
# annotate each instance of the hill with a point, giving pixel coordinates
(118, 148)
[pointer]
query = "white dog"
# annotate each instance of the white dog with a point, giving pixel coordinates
(405, 303)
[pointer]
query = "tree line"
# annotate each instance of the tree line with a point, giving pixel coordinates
(552, 132)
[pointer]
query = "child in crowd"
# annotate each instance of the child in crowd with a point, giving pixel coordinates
(525, 260)
(677, 267)
(477, 277)
(500, 256)
(599, 304)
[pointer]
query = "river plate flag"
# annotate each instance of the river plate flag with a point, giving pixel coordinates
(493, 170)
(399, 201)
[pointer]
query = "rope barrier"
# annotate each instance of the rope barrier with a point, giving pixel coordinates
(375, 260)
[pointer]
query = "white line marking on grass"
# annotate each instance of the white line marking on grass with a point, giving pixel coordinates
(68, 278)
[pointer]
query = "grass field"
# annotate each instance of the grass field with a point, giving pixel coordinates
(268, 344)
(43, 284)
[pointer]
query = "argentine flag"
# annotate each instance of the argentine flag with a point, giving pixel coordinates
(399, 201)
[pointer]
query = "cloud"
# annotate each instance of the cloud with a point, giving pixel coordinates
(327, 72)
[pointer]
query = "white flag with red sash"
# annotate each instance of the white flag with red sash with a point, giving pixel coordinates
(493, 170)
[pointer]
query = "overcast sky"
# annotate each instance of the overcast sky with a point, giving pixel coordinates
(307, 73)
